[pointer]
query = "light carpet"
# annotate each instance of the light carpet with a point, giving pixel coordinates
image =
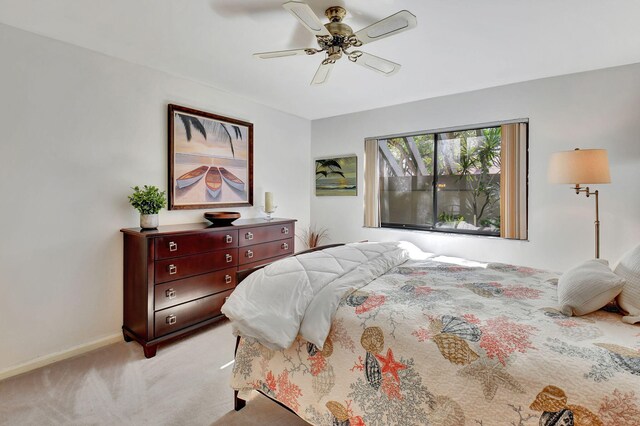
(183, 384)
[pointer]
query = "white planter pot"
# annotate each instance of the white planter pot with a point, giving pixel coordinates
(148, 221)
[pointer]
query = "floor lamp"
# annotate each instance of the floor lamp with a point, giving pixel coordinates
(582, 166)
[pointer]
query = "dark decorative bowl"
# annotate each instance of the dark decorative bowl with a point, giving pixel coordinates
(221, 218)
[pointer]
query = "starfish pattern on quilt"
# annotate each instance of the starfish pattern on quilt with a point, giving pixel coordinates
(390, 365)
(491, 376)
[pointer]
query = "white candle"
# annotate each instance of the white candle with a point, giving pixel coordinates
(268, 202)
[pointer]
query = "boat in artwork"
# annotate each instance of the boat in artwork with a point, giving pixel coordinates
(214, 182)
(191, 177)
(231, 179)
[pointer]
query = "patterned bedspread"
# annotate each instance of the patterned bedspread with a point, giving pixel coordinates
(440, 343)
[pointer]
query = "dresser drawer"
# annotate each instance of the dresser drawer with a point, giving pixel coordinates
(182, 245)
(264, 251)
(258, 235)
(183, 267)
(247, 266)
(180, 316)
(181, 291)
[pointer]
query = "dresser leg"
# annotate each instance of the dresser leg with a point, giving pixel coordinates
(126, 337)
(150, 351)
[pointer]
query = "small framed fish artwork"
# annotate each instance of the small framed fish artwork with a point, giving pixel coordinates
(210, 160)
(337, 176)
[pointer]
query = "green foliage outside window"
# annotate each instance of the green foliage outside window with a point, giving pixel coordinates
(454, 176)
(449, 217)
(475, 166)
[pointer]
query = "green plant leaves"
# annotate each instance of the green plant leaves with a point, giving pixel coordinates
(148, 200)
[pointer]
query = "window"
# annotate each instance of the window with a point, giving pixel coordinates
(470, 180)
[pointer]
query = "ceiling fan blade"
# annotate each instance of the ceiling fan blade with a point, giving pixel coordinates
(305, 15)
(394, 24)
(283, 53)
(322, 75)
(377, 64)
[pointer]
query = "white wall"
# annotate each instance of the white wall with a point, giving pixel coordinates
(599, 109)
(78, 129)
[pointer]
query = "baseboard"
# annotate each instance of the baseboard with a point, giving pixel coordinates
(59, 356)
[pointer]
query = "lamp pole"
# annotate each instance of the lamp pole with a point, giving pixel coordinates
(597, 222)
(597, 225)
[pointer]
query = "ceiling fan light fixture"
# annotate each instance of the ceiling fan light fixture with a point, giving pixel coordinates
(334, 53)
(339, 29)
(337, 38)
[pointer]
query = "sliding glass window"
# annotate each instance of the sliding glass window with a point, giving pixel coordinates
(452, 181)
(406, 181)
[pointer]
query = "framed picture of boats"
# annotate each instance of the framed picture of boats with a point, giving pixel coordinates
(337, 176)
(210, 160)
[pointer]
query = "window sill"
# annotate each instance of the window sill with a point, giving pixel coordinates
(440, 230)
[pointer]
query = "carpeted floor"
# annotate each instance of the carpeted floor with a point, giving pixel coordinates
(183, 385)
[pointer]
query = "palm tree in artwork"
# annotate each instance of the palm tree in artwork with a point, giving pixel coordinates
(325, 168)
(190, 121)
(219, 130)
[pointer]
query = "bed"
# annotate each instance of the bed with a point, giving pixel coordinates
(425, 339)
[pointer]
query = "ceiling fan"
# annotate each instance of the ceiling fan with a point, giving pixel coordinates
(336, 38)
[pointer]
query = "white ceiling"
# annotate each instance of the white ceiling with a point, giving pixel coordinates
(459, 45)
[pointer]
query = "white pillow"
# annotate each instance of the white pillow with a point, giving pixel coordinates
(629, 298)
(588, 287)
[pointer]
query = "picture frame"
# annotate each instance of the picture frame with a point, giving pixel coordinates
(210, 160)
(337, 176)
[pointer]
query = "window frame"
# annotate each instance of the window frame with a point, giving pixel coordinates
(434, 184)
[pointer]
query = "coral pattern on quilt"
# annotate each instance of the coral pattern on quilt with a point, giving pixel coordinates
(442, 344)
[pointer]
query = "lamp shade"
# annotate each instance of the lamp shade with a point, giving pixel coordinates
(580, 166)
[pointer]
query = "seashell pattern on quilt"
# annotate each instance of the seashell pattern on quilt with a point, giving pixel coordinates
(434, 343)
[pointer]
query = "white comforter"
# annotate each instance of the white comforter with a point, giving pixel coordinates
(300, 295)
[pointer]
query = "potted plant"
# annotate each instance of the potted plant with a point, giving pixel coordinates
(312, 236)
(148, 201)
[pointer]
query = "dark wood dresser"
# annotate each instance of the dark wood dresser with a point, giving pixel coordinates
(176, 277)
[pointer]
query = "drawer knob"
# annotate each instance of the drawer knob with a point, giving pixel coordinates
(228, 258)
(170, 294)
(248, 236)
(249, 254)
(285, 230)
(228, 239)
(285, 246)
(172, 319)
(227, 279)
(173, 246)
(173, 269)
